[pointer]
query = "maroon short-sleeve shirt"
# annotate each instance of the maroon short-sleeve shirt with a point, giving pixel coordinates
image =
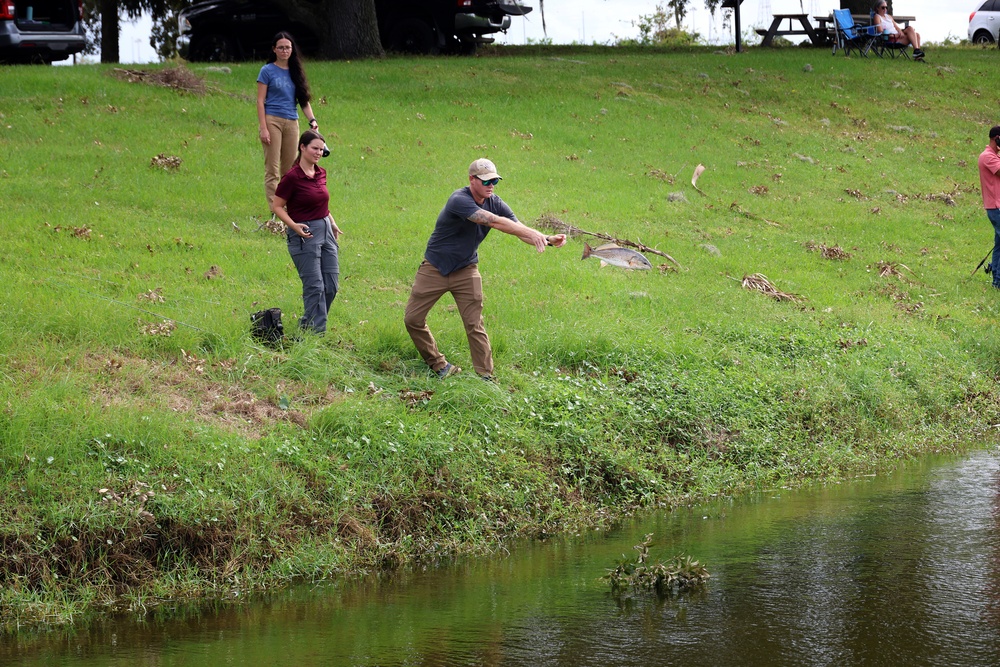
(307, 198)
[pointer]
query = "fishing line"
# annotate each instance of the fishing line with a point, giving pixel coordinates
(133, 306)
(125, 285)
(149, 312)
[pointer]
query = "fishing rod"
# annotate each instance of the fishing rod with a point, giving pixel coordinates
(984, 261)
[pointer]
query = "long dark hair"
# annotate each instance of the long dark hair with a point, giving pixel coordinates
(307, 138)
(295, 69)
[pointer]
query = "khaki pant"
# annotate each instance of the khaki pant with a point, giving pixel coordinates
(279, 155)
(466, 286)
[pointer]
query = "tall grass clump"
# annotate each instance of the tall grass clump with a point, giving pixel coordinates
(150, 449)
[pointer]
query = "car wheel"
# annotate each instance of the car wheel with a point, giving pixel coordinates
(213, 47)
(983, 37)
(467, 47)
(413, 36)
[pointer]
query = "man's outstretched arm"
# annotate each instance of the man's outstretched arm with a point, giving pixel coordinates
(515, 228)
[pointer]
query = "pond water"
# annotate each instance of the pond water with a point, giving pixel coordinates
(901, 569)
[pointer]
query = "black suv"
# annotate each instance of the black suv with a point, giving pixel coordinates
(243, 29)
(40, 31)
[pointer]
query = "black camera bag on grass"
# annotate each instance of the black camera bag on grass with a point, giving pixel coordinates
(266, 327)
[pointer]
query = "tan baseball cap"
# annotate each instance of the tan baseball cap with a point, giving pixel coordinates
(484, 169)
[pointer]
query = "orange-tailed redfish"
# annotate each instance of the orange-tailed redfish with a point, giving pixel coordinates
(616, 256)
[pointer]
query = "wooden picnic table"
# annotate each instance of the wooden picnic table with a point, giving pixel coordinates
(826, 26)
(805, 28)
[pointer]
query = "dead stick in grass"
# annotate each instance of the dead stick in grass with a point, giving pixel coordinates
(753, 216)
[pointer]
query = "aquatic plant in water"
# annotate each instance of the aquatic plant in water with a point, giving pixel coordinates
(679, 574)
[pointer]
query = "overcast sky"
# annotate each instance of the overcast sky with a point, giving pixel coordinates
(603, 21)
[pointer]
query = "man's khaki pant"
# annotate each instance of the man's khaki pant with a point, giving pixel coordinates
(466, 286)
(279, 155)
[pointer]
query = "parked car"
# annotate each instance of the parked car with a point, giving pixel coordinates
(448, 26)
(229, 30)
(40, 31)
(221, 30)
(984, 23)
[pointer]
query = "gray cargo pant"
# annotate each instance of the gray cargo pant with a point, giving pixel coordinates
(319, 269)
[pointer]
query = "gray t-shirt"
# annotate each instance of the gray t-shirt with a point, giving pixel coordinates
(454, 243)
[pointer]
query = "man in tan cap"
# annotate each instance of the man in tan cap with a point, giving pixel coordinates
(451, 264)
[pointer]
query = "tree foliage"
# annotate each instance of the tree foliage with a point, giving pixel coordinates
(102, 22)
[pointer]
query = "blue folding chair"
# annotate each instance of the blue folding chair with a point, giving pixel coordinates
(883, 45)
(851, 37)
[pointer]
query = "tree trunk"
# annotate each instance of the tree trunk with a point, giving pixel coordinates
(352, 30)
(109, 31)
(346, 28)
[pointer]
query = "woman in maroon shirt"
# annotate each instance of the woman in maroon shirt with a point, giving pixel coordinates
(301, 201)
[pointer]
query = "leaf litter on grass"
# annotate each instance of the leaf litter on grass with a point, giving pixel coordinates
(828, 252)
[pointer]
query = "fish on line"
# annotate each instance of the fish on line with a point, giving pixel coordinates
(617, 256)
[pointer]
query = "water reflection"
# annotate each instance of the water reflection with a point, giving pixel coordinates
(903, 570)
(992, 585)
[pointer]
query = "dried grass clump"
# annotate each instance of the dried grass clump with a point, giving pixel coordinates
(661, 175)
(415, 398)
(165, 162)
(886, 269)
(164, 328)
(272, 225)
(834, 252)
(828, 252)
(153, 295)
(178, 78)
(758, 282)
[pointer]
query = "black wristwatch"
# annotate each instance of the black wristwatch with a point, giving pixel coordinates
(311, 121)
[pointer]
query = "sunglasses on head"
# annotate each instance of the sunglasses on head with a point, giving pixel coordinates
(492, 181)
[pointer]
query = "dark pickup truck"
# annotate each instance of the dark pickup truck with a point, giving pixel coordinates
(40, 31)
(229, 30)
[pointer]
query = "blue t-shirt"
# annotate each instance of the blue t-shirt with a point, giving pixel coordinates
(455, 241)
(280, 99)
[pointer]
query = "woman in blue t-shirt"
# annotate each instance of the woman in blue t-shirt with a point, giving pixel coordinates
(280, 85)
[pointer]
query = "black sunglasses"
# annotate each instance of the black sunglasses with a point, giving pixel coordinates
(492, 181)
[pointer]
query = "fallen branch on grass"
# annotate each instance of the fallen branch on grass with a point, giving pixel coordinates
(560, 227)
(753, 216)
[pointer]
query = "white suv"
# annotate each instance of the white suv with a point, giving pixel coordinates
(984, 23)
(40, 31)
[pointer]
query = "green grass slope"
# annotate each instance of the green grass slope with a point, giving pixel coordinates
(149, 450)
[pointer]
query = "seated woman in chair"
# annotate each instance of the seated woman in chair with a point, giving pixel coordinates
(885, 24)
